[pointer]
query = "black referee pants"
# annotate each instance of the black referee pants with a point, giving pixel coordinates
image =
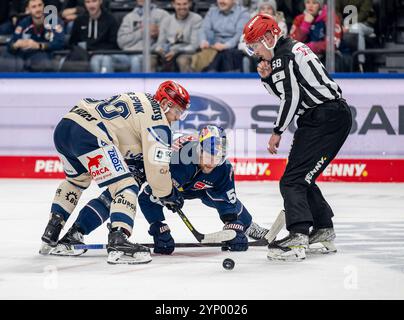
(320, 135)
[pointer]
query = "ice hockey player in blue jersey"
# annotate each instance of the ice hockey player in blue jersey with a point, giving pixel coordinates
(199, 170)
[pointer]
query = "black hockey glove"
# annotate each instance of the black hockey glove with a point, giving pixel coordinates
(173, 201)
(240, 242)
(163, 241)
(136, 167)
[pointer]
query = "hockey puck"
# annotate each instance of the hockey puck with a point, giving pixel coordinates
(228, 264)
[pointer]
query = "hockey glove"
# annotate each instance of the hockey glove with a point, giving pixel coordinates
(173, 201)
(163, 241)
(136, 168)
(240, 242)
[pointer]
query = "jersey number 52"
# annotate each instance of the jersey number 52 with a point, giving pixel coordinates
(231, 194)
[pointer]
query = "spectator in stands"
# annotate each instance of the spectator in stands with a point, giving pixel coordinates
(72, 9)
(94, 30)
(221, 30)
(6, 26)
(178, 38)
(130, 36)
(33, 42)
(364, 24)
(289, 8)
(59, 4)
(17, 11)
(269, 7)
(310, 27)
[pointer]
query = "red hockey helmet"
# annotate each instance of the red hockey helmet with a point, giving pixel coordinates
(175, 93)
(257, 28)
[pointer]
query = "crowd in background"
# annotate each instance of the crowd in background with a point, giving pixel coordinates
(92, 35)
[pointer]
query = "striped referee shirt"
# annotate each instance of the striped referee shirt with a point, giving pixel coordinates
(300, 80)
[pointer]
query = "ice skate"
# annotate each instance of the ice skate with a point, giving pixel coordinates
(121, 251)
(65, 246)
(291, 248)
(322, 241)
(256, 232)
(51, 234)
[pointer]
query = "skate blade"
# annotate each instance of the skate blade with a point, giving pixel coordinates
(324, 247)
(295, 254)
(45, 249)
(67, 251)
(119, 257)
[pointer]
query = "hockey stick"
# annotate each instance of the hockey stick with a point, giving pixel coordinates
(276, 227)
(258, 243)
(215, 237)
(270, 236)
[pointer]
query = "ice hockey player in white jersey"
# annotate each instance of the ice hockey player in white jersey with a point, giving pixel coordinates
(199, 170)
(95, 138)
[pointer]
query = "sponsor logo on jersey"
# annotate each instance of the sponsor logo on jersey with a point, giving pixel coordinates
(137, 104)
(162, 155)
(206, 110)
(345, 170)
(305, 50)
(156, 108)
(72, 197)
(95, 168)
(175, 183)
(83, 113)
(116, 162)
(278, 76)
(199, 185)
(121, 200)
(179, 143)
(311, 174)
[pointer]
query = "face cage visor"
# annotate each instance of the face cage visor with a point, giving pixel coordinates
(178, 110)
(250, 48)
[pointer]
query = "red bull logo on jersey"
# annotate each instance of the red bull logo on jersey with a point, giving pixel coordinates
(201, 185)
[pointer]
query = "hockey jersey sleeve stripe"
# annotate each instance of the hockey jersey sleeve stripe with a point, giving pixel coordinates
(104, 129)
(333, 87)
(109, 182)
(314, 99)
(290, 94)
(315, 95)
(332, 82)
(268, 87)
(319, 78)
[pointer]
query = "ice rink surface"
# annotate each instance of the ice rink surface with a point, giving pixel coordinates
(369, 223)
